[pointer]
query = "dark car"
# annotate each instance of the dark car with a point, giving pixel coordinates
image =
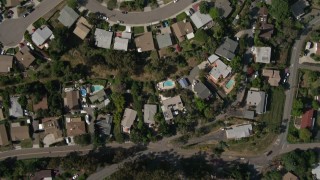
(191, 11)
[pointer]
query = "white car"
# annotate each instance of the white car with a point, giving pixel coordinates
(87, 118)
(174, 1)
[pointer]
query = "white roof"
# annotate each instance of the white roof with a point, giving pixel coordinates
(120, 44)
(190, 35)
(316, 171)
(41, 35)
(213, 58)
(128, 117)
(200, 20)
(103, 38)
(257, 99)
(220, 69)
(263, 54)
(239, 132)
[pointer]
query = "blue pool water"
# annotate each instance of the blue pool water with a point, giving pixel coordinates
(95, 88)
(168, 83)
(83, 92)
(230, 84)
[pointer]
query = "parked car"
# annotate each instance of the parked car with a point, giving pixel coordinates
(191, 11)
(25, 15)
(87, 118)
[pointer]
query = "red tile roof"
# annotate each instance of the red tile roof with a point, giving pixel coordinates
(307, 119)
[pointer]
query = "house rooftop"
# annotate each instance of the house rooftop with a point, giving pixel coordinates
(227, 49)
(144, 42)
(15, 109)
(200, 20)
(164, 40)
(272, 75)
(307, 120)
(41, 35)
(5, 63)
(316, 172)
(25, 57)
(238, 132)
(75, 126)
(150, 111)
(68, 16)
(213, 58)
(71, 100)
(81, 31)
(220, 70)
(12, 3)
(3, 135)
(201, 90)
(103, 38)
(181, 29)
(289, 176)
(43, 175)
(105, 123)
(223, 7)
(184, 82)
(171, 104)
(51, 126)
(98, 96)
(298, 7)
(126, 35)
(121, 44)
(257, 99)
(128, 118)
(19, 133)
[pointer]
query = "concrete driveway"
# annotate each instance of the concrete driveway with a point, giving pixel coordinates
(12, 30)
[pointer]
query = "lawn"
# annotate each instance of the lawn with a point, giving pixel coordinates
(182, 16)
(138, 30)
(27, 143)
(166, 1)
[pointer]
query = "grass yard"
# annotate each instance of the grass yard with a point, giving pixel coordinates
(182, 16)
(138, 30)
(27, 143)
(167, 1)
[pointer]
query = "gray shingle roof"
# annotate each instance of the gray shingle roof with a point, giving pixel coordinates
(184, 82)
(298, 7)
(120, 44)
(257, 99)
(150, 111)
(200, 20)
(239, 132)
(68, 16)
(128, 117)
(15, 109)
(227, 49)
(41, 35)
(103, 38)
(201, 90)
(164, 40)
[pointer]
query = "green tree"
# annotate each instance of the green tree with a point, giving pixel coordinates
(73, 4)
(111, 4)
(214, 13)
(23, 101)
(201, 36)
(236, 64)
(204, 7)
(272, 175)
(256, 82)
(305, 135)
(315, 105)
(83, 139)
(200, 104)
(297, 107)
(280, 9)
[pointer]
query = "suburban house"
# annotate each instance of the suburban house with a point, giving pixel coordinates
(15, 109)
(201, 20)
(46, 174)
(144, 42)
(257, 100)
(83, 28)
(12, 3)
(227, 49)
(149, 111)
(25, 57)
(298, 8)
(219, 70)
(6, 63)
(316, 172)
(224, 7)
(18, 132)
(121, 44)
(103, 38)
(41, 35)
(68, 16)
(213, 58)
(164, 40)
(201, 90)
(182, 29)
(71, 100)
(43, 104)
(308, 120)
(128, 118)
(262, 54)
(105, 124)
(75, 126)
(273, 76)
(52, 130)
(100, 99)
(126, 35)
(238, 132)
(3, 135)
(171, 107)
(184, 82)
(266, 29)
(290, 176)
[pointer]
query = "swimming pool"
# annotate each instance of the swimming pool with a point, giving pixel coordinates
(230, 84)
(83, 92)
(168, 83)
(95, 88)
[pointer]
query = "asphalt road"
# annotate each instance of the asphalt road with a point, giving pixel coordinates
(12, 30)
(134, 18)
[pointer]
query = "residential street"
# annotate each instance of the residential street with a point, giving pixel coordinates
(134, 18)
(12, 30)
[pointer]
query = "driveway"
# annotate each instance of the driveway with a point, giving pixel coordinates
(12, 30)
(140, 18)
